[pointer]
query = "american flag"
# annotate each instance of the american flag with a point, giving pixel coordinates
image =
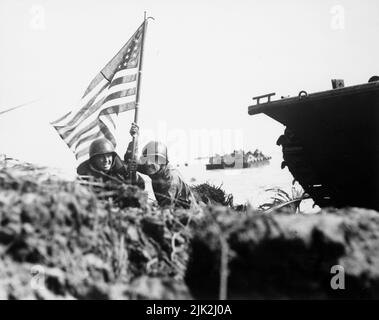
(113, 90)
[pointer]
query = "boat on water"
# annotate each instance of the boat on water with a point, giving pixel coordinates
(238, 160)
(331, 142)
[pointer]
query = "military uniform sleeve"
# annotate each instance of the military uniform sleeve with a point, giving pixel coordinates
(129, 151)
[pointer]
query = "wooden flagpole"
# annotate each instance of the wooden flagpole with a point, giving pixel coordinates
(135, 137)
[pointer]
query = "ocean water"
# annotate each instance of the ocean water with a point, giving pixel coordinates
(247, 185)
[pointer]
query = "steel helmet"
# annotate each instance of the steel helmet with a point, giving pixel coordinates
(157, 150)
(101, 146)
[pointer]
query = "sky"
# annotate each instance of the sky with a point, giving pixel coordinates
(203, 63)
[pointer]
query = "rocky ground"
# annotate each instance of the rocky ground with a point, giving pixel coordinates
(66, 240)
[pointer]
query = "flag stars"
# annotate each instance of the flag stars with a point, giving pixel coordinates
(132, 52)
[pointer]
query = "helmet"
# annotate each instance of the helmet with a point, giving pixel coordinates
(155, 149)
(373, 78)
(100, 146)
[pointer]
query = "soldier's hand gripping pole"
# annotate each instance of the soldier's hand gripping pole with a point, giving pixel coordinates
(133, 162)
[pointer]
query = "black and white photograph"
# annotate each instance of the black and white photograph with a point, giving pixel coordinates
(189, 153)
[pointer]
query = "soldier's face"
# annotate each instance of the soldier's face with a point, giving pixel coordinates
(151, 167)
(103, 162)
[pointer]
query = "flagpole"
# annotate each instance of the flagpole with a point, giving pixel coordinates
(135, 137)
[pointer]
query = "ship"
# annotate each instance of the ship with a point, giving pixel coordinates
(331, 142)
(238, 159)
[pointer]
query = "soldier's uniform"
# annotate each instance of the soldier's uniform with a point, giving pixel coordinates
(170, 189)
(118, 172)
(168, 185)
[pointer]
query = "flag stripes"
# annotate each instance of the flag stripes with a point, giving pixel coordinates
(113, 90)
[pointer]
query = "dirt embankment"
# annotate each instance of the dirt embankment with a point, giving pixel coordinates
(286, 255)
(59, 241)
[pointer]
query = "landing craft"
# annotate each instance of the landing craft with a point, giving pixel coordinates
(238, 160)
(331, 142)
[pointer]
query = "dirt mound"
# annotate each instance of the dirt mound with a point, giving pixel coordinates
(280, 255)
(62, 240)
(58, 240)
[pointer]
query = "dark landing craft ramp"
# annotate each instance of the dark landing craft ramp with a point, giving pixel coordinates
(331, 143)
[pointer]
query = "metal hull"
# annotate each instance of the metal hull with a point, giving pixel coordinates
(331, 144)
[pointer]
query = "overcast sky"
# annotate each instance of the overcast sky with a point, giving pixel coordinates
(203, 63)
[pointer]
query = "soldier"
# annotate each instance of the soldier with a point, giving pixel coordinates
(168, 186)
(105, 164)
